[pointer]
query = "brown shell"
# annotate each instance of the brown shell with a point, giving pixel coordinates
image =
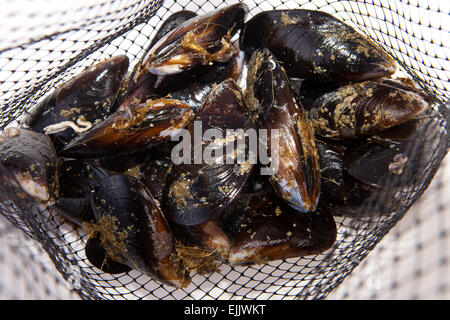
(263, 228)
(131, 129)
(140, 83)
(364, 108)
(199, 41)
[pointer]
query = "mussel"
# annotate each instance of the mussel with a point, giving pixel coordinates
(194, 159)
(79, 103)
(32, 161)
(365, 108)
(140, 83)
(342, 194)
(216, 161)
(77, 179)
(201, 40)
(172, 22)
(202, 247)
(273, 102)
(131, 129)
(314, 45)
(194, 86)
(150, 166)
(133, 229)
(262, 228)
(394, 159)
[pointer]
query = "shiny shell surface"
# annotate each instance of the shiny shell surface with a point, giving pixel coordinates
(315, 45)
(275, 105)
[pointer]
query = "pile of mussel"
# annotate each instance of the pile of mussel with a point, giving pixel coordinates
(99, 149)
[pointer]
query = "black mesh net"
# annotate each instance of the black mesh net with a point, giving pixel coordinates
(75, 37)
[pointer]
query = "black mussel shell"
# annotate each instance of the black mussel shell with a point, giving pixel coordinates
(32, 161)
(80, 102)
(97, 256)
(75, 210)
(343, 195)
(364, 108)
(193, 86)
(396, 158)
(77, 179)
(172, 22)
(207, 178)
(131, 163)
(140, 83)
(296, 175)
(315, 45)
(133, 229)
(262, 228)
(132, 129)
(150, 166)
(199, 41)
(153, 173)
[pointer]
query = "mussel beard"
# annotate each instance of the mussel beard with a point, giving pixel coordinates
(203, 247)
(32, 161)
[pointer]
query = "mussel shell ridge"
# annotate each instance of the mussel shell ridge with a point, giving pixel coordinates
(365, 108)
(198, 190)
(133, 230)
(294, 157)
